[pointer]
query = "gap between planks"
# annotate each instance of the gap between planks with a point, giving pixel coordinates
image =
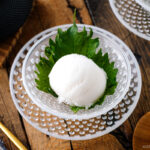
(49, 13)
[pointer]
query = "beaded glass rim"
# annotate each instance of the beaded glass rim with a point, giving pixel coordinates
(98, 110)
(144, 4)
(121, 18)
(117, 123)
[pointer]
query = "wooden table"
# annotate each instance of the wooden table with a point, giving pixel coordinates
(49, 13)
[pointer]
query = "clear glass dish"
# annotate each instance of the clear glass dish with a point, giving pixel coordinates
(50, 104)
(74, 129)
(132, 16)
(144, 3)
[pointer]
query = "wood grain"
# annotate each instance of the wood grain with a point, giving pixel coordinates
(49, 13)
(8, 113)
(46, 14)
(141, 47)
(31, 27)
(40, 141)
(124, 134)
(103, 16)
(141, 137)
(106, 142)
(83, 12)
(7, 45)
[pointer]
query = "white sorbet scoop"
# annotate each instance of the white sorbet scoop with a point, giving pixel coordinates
(77, 80)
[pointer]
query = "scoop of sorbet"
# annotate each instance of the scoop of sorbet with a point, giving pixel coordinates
(77, 80)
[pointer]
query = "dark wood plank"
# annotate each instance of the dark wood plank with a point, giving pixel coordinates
(31, 27)
(103, 17)
(51, 13)
(124, 134)
(83, 13)
(47, 14)
(7, 45)
(141, 47)
(9, 115)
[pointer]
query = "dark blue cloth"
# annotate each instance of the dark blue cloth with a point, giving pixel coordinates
(2, 147)
(12, 15)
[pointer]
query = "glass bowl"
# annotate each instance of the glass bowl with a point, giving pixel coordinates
(50, 104)
(144, 3)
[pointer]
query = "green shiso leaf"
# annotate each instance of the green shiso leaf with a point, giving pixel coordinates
(73, 41)
(44, 67)
(76, 108)
(103, 62)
